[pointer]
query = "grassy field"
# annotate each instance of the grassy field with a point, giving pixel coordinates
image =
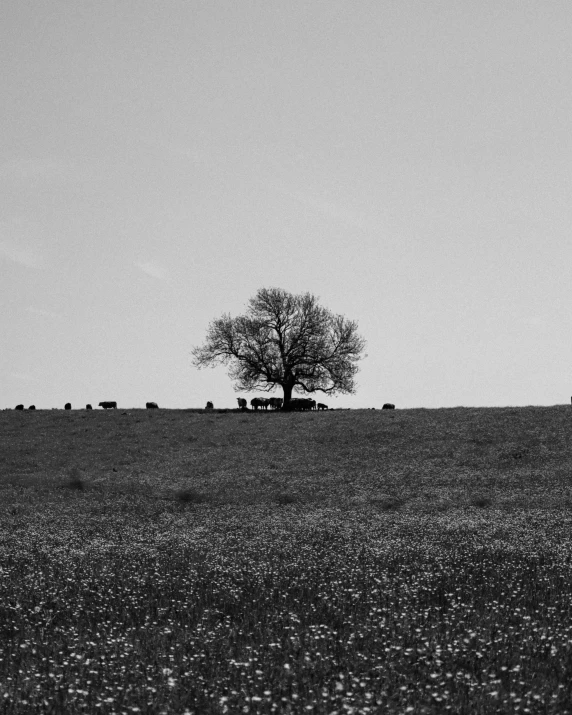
(363, 561)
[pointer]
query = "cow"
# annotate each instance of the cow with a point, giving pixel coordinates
(241, 403)
(321, 406)
(19, 407)
(209, 406)
(388, 406)
(88, 407)
(67, 406)
(151, 405)
(108, 405)
(276, 403)
(32, 407)
(302, 403)
(261, 402)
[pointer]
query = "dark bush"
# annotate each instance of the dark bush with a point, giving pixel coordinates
(191, 496)
(481, 501)
(285, 498)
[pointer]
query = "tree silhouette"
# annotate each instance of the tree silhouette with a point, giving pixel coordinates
(284, 340)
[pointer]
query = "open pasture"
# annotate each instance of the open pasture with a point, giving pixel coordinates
(345, 562)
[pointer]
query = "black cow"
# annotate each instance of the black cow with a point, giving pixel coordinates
(261, 402)
(108, 405)
(302, 403)
(32, 407)
(321, 406)
(88, 407)
(67, 406)
(19, 407)
(151, 405)
(388, 406)
(209, 406)
(276, 403)
(241, 402)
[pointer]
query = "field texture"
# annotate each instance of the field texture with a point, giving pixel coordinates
(415, 561)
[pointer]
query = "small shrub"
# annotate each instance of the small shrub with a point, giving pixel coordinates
(285, 498)
(191, 496)
(386, 502)
(481, 501)
(514, 453)
(75, 482)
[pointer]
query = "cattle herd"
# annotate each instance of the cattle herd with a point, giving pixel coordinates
(262, 403)
(106, 406)
(275, 403)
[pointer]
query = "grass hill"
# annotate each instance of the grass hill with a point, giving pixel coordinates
(409, 460)
(348, 561)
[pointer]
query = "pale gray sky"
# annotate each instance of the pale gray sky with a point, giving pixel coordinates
(408, 162)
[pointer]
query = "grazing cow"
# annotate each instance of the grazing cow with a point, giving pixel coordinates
(19, 407)
(241, 402)
(209, 406)
(108, 405)
(261, 402)
(67, 406)
(151, 405)
(321, 406)
(302, 403)
(388, 406)
(276, 403)
(32, 407)
(88, 407)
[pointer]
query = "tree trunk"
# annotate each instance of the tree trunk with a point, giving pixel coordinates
(287, 395)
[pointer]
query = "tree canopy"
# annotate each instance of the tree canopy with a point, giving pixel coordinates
(287, 341)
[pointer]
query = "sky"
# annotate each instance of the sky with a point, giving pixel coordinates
(409, 163)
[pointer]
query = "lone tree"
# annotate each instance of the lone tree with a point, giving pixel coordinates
(284, 340)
